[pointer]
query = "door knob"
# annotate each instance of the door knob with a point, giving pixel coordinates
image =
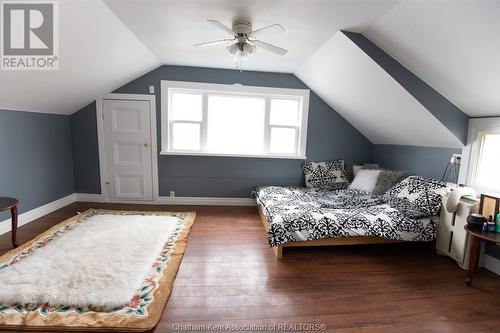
(146, 145)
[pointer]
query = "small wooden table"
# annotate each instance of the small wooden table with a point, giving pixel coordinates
(11, 203)
(476, 236)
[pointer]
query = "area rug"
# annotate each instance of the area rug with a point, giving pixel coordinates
(101, 270)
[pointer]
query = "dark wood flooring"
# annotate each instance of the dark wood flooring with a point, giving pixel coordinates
(230, 276)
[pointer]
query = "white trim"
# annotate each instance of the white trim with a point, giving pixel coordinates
(129, 97)
(87, 197)
(207, 201)
(235, 88)
(470, 152)
(302, 95)
(164, 200)
(491, 264)
(101, 144)
(38, 212)
(291, 157)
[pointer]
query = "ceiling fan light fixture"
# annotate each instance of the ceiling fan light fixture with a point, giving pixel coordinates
(249, 48)
(233, 48)
(243, 40)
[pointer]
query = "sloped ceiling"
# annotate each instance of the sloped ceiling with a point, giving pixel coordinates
(97, 54)
(173, 26)
(454, 46)
(369, 98)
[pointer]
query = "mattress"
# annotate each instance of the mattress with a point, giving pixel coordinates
(298, 214)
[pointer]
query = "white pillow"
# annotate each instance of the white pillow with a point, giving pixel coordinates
(365, 180)
(355, 169)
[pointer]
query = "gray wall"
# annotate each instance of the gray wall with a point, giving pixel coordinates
(36, 163)
(422, 161)
(329, 137)
(85, 152)
(444, 110)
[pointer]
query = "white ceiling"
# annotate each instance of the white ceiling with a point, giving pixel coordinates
(169, 28)
(97, 55)
(369, 98)
(454, 46)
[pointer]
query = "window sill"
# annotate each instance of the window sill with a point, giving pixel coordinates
(289, 157)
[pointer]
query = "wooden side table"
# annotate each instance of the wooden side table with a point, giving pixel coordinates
(11, 203)
(476, 236)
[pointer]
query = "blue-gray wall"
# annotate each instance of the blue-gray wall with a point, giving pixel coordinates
(329, 137)
(422, 161)
(36, 163)
(85, 152)
(444, 110)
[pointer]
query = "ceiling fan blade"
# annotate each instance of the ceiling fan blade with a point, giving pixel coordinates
(270, 47)
(215, 42)
(221, 26)
(276, 25)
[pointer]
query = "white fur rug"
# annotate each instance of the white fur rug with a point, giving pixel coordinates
(101, 262)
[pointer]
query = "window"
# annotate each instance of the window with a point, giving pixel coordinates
(482, 171)
(233, 120)
(488, 164)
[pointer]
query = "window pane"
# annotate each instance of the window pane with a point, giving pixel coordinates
(235, 124)
(185, 136)
(186, 106)
(488, 175)
(282, 140)
(284, 112)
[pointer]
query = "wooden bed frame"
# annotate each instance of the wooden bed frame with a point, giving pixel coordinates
(354, 240)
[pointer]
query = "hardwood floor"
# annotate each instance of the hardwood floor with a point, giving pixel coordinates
(230, 276)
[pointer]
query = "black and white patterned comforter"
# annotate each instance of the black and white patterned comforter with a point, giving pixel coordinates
(302, 214)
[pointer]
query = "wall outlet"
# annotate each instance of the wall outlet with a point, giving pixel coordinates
(456, 159)
(151, 89)
(172, 194)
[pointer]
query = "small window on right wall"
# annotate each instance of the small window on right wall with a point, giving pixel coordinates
(481, 165)
(488, 162)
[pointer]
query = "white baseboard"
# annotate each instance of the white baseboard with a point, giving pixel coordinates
(86, 197)
(206, 201)
(491, 264)
(192, 201)
(38, 212)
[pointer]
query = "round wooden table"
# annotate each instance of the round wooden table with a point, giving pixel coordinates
(476, 236)
(11, 203)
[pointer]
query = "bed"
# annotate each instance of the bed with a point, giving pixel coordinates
(301, 216)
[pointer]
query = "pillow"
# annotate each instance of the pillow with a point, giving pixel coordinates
(355, 169)
(371, 166)
(326, 175)
(365, 180)
(423, 194)
(387, 179)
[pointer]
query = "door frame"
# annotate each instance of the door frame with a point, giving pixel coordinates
(101, 144)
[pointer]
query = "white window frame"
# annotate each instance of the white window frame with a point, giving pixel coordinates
(302, 95)
(471, 152)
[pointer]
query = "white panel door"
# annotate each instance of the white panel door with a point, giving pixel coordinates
(127, 137)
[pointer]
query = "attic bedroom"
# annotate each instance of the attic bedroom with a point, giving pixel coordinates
(262, 166)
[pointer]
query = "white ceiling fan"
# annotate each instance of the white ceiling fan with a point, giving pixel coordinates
(243, 41)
